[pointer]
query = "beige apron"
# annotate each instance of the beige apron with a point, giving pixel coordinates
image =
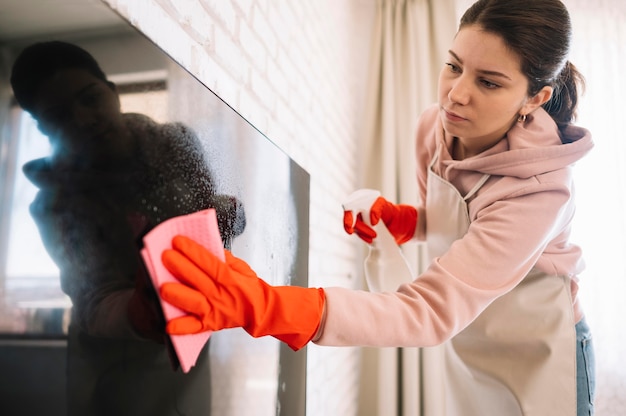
(519, 356)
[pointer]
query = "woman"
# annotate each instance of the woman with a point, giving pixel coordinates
(495, 160)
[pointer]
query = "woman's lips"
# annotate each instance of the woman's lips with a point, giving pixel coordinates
(453, 116)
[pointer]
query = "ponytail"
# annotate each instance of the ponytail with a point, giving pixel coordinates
(564, 101)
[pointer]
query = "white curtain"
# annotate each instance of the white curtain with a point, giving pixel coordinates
(599, 52)
(410, 42)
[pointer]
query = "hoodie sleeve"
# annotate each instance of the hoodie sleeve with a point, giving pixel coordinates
(513, 224)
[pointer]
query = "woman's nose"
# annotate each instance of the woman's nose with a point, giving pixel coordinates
(82, 116)
(84, 120)
(460, 91)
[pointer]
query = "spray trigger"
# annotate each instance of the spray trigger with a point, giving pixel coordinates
(360, 202)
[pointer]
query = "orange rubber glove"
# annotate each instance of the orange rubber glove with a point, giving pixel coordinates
(229, 294)
(400, 220)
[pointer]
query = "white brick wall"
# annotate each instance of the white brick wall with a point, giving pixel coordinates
(297, 71)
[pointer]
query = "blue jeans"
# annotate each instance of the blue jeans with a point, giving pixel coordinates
(585, 369)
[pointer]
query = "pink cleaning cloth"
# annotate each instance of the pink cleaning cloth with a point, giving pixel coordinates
(202, 227)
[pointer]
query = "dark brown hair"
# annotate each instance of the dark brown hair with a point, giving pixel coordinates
(539, 32)
(41, 61)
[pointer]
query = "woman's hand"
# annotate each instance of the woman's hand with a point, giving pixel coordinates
(400, 220)
(220, 294)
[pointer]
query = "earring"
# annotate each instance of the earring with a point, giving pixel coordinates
(521, 118)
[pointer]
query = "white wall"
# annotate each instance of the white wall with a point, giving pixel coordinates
(297, 71)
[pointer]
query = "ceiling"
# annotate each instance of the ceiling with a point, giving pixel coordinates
(23, 19)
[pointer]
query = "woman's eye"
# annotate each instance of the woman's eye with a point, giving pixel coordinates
(489, 84)
(453, 67)
(90, 98)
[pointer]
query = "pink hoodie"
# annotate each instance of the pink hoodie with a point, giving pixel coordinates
(520, 219)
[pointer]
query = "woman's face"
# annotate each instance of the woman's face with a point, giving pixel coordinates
(81, 115)
(482, 90)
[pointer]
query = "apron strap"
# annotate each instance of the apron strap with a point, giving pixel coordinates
(476, 187)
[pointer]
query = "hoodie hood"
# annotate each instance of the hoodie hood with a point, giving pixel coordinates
(531, 148)
(43, 174)
(46, 175)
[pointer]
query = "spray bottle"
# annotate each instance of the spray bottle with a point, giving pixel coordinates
(385, 266)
